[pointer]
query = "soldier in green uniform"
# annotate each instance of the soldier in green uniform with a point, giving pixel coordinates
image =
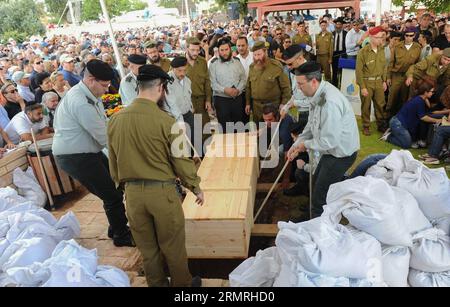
(141, 158)
(403, 55)
(371, 78)
(324, 49)
(154, 57)
(302, 37)
(435, 66)
(266, 83)
(197, 72)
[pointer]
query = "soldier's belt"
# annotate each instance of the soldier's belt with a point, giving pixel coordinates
(197, 97)
(372, 78)
(148, 183)
(262, 101)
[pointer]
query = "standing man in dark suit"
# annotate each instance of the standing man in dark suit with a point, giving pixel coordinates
(339, 48)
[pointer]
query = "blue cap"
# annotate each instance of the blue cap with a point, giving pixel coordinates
(44, 44)
(219, 31)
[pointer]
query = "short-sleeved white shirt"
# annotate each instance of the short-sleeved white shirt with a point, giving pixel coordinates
(21, 124)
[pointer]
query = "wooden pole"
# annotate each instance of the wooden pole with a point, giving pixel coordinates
(271, 190)
(311, 163)
(41, 167)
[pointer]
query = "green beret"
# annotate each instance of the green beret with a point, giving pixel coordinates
(446, 52)
(259, 45)
(192, 40)
(150, 44)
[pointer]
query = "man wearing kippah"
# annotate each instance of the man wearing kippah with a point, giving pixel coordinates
(80, 137)
(371, 78)
(331, 133)
(403, 55)
(143, 159)
(154, 57)
(128, 85)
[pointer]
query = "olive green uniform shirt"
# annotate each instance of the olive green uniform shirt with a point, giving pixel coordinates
(268, 85)
(430, 66)
(402, 58)
(302, 39)
(199, 76)
(140, 141)
(324, 44)
(370, 64)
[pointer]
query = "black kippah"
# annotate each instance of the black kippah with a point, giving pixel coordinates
(307, 68)
(291, 51)
(179, 61)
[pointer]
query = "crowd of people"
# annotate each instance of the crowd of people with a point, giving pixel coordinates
(271, 72)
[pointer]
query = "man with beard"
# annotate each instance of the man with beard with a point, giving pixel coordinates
(267, 83)
(197, 72)
(228, 83)
(154, 57)
(148, 174)
(80, 137)
(128, 85)
(19, 128)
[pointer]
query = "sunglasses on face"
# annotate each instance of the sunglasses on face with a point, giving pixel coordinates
(39, 63)
(410, 35)
(11, 91)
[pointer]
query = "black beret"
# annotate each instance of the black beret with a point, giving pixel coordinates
(307, 68)
(395, 34)
(291, 51)
(137, 59)
(150, 72)
(40, 77)
(178, 61)
(100, 70)
(323, 21)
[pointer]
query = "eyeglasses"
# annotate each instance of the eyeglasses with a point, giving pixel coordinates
(102, 84)
(410, 35)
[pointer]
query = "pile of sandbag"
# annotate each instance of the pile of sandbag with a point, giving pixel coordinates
(398, 234)
(36, 249)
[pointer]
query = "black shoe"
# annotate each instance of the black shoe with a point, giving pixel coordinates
(124, 240)
(294, 191)
(110, 232)
(196, 282)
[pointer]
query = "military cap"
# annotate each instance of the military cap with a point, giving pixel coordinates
(446, 52)
(192, 41)
(100, 70)
(323, 21)
(178, 61)
(137, 59)
(150, 44)
(258, 45)
(150, 72)
(291, 51)
(411, 30)
(375, 30)
(307, 68)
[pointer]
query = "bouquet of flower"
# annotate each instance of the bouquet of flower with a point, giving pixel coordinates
(112, 104)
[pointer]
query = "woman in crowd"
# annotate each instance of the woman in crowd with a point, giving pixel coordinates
(404, 127)
(14, 103)
(45, 85)
(59, 85)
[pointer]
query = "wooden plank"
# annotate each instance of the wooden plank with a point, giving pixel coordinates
(65, 180)
(265, 230)
(52, 176)
(13, 155)
(7, 179)
(16, 163)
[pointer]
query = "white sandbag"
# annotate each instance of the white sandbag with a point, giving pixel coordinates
(109, 276)
(369, 204)
(326, 249)
(431, 251)
(430, 187)
(414, 218)
(258, 271)
(443, 224)
(427, 279)
(318, 280)
(28, 187)
(286, 278)
(9, 198)
(68, 226)
(391, 167)
(28, 209)
(396, 265)
(25, 252)
(69, 276)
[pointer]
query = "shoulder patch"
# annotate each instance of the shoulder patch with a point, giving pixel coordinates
(276, 63)
(236, 58)
(214, 60)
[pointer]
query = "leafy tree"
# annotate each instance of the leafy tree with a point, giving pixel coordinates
(19, 19)
(55, 8)
(438, 6)
(242, 5)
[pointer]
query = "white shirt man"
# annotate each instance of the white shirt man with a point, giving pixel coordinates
(245, 55)
(20, 125)
(353, 41)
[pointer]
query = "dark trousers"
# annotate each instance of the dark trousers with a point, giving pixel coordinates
(92, 171)
(189, 120)
(229, 110)
(399, 135)
(329, 171)
(336, 71)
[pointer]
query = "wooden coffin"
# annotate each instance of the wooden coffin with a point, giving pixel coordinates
(9, 162)
(221, 228)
